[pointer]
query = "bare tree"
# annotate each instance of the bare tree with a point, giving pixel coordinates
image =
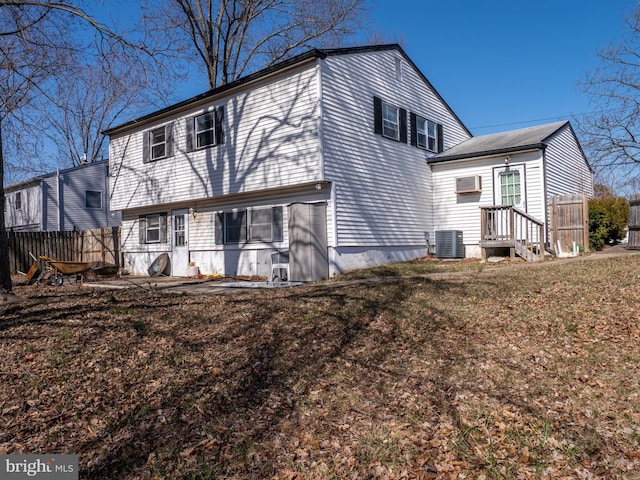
(231, 38)
(37, 41)
(112, 87)
(611, 135)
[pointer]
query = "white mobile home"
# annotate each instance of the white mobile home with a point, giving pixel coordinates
(324, 158)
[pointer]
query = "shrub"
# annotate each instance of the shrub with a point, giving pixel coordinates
(608, 220)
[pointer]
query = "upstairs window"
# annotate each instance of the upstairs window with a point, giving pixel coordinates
(18, 201)
(205, 134)
(93, 199)
(431, 136)
(426, 134)
(158, 143)
(389, 121)
(249, 226)
(421, 132)
(205, 130)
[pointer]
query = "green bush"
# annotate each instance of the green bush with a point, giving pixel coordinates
(608, 221)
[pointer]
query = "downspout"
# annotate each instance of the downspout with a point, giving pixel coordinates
(546, 197)
(59, 196)
(43, 206)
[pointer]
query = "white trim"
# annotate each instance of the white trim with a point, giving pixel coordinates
(321, 175)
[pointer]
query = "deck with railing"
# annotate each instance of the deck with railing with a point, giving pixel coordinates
(509, 227)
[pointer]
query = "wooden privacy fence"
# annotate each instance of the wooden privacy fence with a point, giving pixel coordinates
(569, 222)
(634, 222)
(100, 245)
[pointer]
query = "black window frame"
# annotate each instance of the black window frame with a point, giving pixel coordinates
(17, 201)
(87, 202)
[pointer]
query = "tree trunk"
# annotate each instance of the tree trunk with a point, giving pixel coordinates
(5, 273)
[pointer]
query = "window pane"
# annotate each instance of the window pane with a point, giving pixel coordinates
(157, 135)
(235, 227)
(158, 142)
(390, 121)
(204, 122)
(510, 188)
(260, 228)
(421, 132)
(153, 229)
(157, 151)
(93, 199)
(431, 134)
(204, 139)
(179, 231)
(205, 130)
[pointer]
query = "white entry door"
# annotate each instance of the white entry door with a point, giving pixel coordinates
(509, 186)
(180, 243)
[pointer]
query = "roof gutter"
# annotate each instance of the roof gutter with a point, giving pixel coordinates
(487, 153)
(205, 97)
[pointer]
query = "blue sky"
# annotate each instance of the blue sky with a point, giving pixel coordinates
(505, 64)
(499, 64)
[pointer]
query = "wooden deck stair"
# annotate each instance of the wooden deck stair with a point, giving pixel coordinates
(509, 227)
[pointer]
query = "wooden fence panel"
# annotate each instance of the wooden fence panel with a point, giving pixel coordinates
(634, 222)
(101, 245)
(22, 245)
(569, 221)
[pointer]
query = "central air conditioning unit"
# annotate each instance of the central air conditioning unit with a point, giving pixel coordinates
(449, 244)
(472, 184)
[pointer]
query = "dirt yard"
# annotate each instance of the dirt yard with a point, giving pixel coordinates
(510, 373)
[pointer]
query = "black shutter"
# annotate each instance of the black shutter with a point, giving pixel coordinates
(145, 146)
(163, 228)
(403, 125)
(168, 131)
(190, 135)
(220, 125)
(377, 115)
(440, 138)
(414, 129)
(219, 221)
(276, 226)
(142, 230)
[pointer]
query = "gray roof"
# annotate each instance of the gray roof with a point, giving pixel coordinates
(497, 143)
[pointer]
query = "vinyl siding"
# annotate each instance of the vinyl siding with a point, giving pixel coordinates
(566, 169)
(229, 259)
(64, 194)
(462, 211)
(382, 187)
(28, 217)
(270, 141)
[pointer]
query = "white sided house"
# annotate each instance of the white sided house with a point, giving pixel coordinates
(490, 185)
(76, 198)
(332, 160)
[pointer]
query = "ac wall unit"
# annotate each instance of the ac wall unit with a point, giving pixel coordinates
(472, 184)
(449, 244)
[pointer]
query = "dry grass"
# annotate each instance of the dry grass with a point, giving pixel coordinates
(530, 372)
